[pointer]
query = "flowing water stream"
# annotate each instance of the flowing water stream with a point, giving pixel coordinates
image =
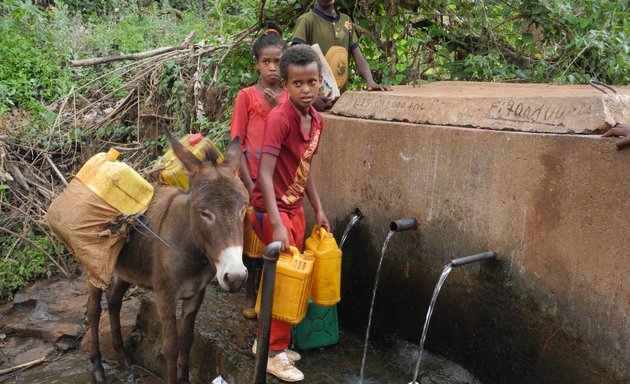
(355, 219)
(436, 291)
(367, 332)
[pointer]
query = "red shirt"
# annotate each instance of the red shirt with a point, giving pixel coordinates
(248, 121)
(294, 150)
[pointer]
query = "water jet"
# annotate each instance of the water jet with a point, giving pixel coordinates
(399, 225)
(354, 218)
(447, 269)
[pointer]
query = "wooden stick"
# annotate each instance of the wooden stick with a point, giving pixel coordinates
(22, 366)
(54, 167)
(133, 56)
(229, 49)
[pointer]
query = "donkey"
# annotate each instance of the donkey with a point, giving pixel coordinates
(198, 235)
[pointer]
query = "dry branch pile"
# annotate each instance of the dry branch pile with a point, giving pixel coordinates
(31, 175)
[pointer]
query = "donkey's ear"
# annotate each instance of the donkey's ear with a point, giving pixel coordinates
(233, 155)
(190, 161)
(211, 153)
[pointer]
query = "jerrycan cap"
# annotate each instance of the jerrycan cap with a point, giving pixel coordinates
(113, 154)
(194, 139)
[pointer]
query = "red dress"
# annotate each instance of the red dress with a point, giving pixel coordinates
(248, 121)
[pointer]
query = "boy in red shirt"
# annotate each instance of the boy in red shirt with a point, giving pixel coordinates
(290, 140)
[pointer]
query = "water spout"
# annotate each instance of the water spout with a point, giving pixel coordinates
(354, 218)
(403, 224)
(472, 259)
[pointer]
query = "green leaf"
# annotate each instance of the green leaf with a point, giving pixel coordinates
(583, 22)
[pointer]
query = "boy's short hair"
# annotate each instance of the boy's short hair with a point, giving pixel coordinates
(300, 55)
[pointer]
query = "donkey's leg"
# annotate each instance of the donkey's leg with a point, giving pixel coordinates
(94, 317)
(115, 295)
(166, 304)
(190, 307)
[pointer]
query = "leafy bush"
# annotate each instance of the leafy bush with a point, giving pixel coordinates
(26, 264)
(31, 71)
(531, 40)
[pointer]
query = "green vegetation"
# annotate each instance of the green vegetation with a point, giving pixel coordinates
(21, 263)
(529, 40)
(405, 42)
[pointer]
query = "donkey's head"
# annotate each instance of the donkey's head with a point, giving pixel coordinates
(218, 202)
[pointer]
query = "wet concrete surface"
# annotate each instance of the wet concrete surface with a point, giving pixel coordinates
(223, 340)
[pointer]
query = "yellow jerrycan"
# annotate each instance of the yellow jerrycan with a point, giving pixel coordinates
(326, 289)
(252, 245)
(116, 183)
(294, 275)
(174, 172)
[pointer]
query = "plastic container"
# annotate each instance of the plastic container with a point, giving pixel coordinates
(294, 275)
(327, 271)
(252, 245)
(116, 183)
(174, 172)
(320, 327)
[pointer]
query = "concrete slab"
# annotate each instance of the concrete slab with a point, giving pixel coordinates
(543, 108)
(552, 309)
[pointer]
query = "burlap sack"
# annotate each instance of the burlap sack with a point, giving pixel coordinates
(91, 229)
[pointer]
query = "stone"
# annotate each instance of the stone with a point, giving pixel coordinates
(49, 309)
(128, 315)
(543, 108)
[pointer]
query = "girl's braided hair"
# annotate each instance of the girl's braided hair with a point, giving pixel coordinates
(272, 35)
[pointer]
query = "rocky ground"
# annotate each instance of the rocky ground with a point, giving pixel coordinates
(42, 336)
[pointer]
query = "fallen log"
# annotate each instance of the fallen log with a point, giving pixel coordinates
(133, 56)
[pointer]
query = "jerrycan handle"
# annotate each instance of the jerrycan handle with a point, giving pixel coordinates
(293, 252)
(318, 234)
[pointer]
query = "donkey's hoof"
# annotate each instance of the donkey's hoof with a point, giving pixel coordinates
(98, 376)
(124, 360)
(98, 372)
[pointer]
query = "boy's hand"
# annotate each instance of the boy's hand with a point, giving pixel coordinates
(271, 97)
(374, 86)
(620, 130)
(280, 234)
(323, 103)
(322, 221)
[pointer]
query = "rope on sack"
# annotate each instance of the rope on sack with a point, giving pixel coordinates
(139, 222)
